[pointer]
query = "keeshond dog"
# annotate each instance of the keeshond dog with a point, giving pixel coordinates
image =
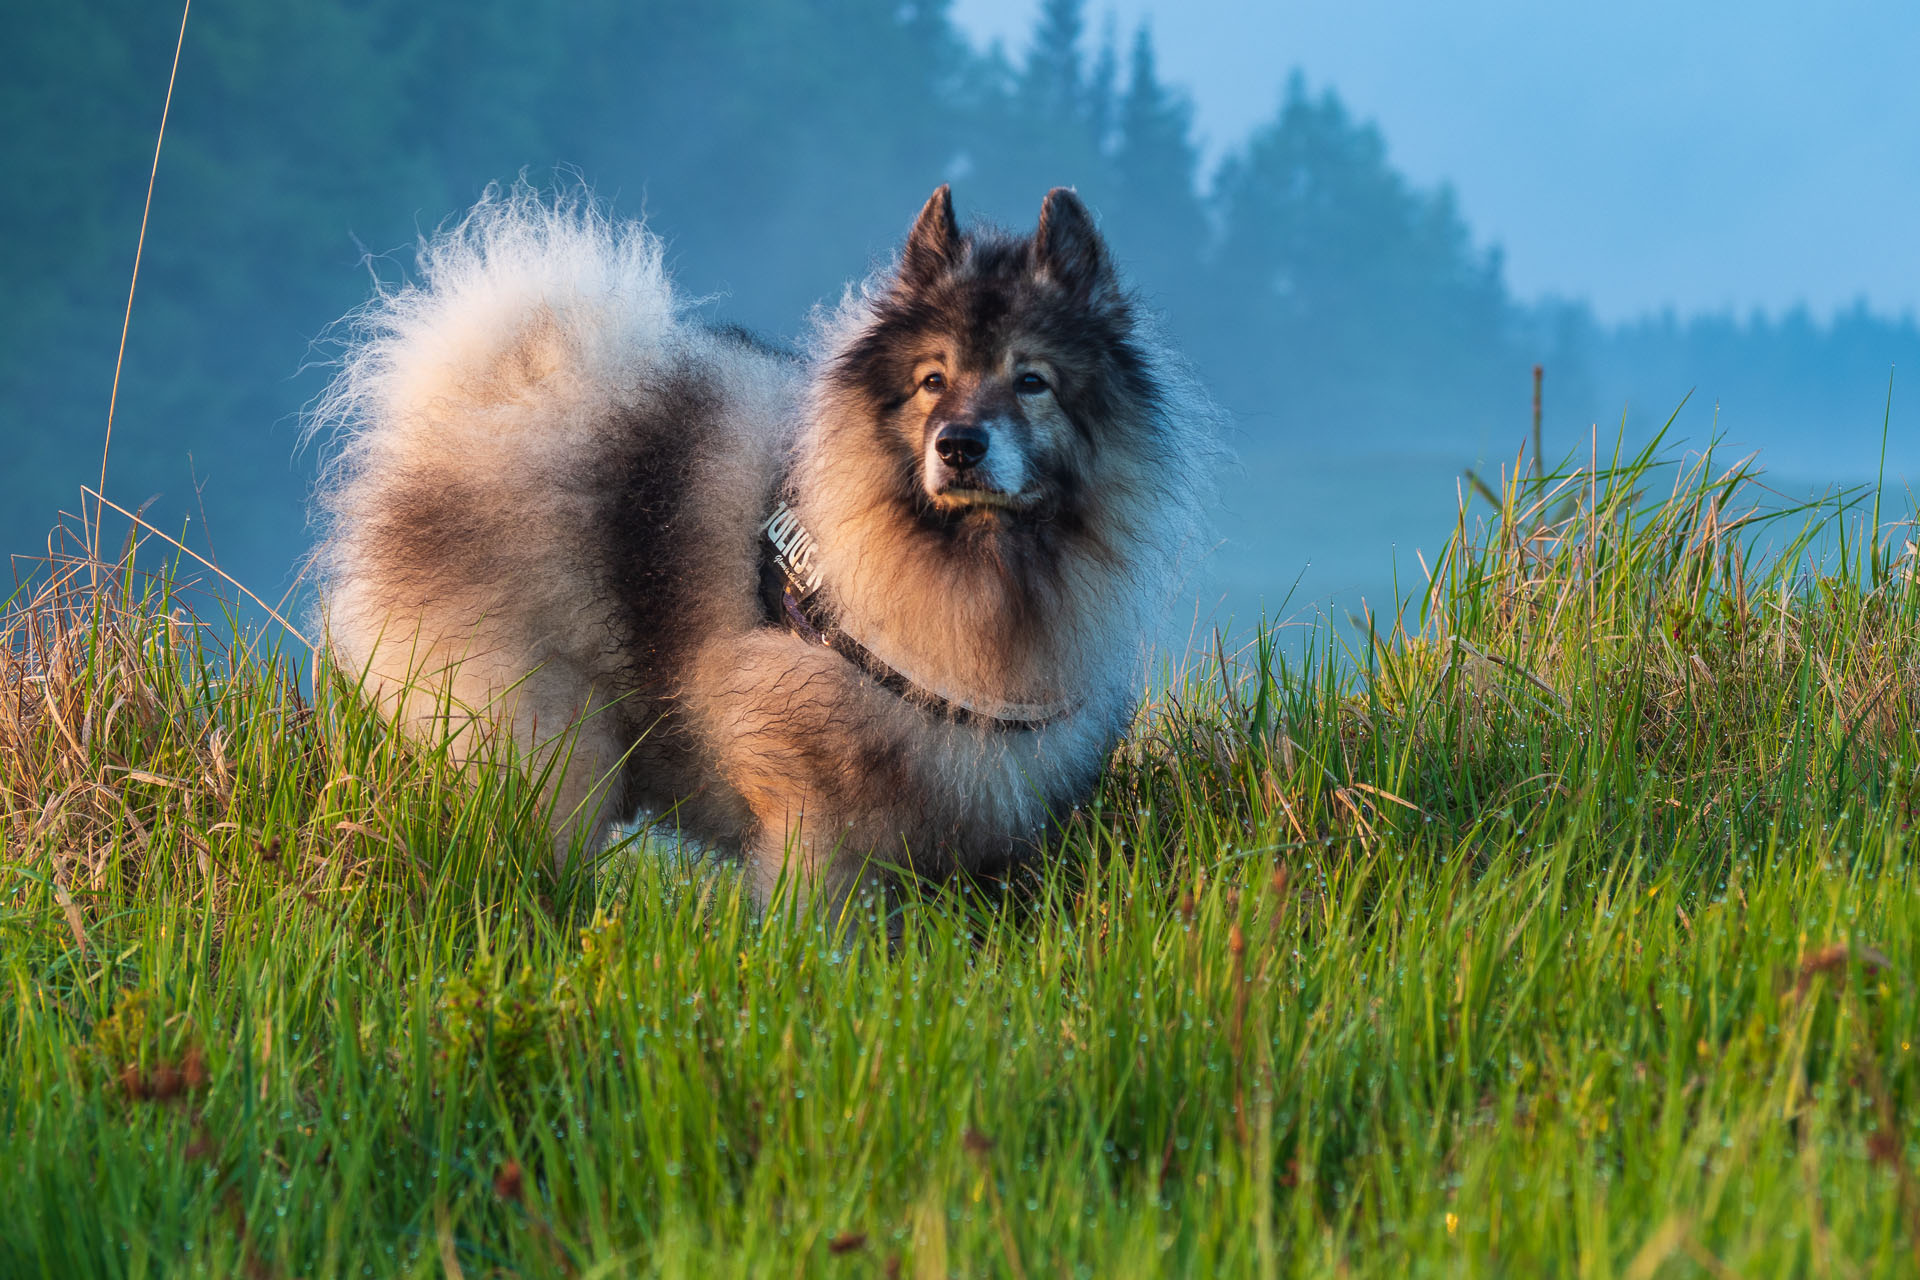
(884, 603)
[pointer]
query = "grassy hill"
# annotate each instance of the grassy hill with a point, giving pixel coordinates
(1574, 932)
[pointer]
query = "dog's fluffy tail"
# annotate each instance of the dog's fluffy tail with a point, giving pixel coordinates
(527, 321)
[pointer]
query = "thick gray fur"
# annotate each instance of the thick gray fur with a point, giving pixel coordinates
(543, 515)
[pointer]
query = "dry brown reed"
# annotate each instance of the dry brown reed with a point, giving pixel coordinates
(138, 739)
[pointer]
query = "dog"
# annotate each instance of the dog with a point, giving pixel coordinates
(885, 602)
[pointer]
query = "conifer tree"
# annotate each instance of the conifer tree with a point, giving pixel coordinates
(1374, 305)
(1050, 83)
(1039, 126)
(1155, 211)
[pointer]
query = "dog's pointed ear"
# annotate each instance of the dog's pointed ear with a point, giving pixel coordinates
(1068, 249)
(933, 246)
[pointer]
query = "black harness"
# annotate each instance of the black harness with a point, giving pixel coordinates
(791, 593)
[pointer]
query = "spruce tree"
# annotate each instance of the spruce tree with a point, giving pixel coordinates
(1155, 210)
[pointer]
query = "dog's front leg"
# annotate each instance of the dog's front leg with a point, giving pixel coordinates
(824, 760)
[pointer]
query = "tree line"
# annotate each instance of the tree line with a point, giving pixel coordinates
(781, 147)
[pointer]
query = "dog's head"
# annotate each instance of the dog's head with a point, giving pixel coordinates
(999, 370)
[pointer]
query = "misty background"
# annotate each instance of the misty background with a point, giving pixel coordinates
(1696, 208)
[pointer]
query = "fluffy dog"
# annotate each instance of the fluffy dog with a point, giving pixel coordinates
(885, 602)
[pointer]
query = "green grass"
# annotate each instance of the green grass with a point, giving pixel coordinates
(1575, 932)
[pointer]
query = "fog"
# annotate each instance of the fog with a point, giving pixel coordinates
(1637, 155)
(1355, 312)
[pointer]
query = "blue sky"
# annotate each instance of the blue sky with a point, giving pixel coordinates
(1638, 154)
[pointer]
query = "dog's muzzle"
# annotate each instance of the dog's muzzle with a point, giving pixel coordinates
(973, 464)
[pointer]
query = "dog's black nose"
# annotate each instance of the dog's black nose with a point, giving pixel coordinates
(960, 446)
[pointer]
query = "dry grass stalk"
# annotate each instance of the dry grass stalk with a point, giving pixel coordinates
(135, 741)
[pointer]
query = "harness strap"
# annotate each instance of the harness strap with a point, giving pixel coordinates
(791, 592)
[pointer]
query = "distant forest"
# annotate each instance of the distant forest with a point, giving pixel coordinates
(781, 147)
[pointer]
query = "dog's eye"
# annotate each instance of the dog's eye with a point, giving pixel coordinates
(1030, 384)
(934, 382)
